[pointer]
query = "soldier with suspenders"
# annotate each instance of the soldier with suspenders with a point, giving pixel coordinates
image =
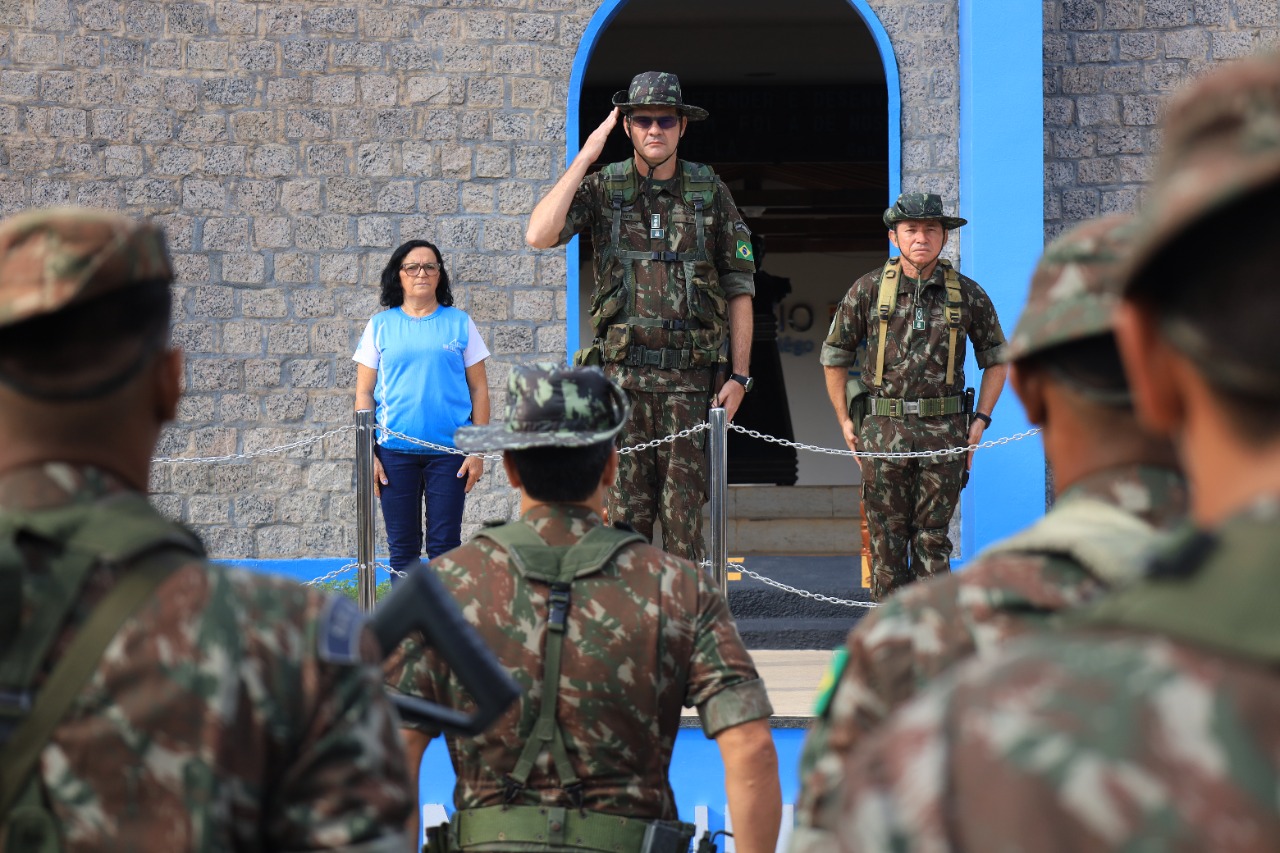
(673, 280)
(608, 635)
(914, 315)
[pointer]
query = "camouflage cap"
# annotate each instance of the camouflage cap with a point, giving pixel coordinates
(920, 206)
(1075, 287)
(1221, 144)
(657, 89)
(56, 257)
(552, 406)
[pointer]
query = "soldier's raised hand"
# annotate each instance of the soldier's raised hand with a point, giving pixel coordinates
(594, 145)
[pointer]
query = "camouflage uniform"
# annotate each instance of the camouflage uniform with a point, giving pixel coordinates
(645, 634)
(1150, 724)
(230, 711)
(925, 629)
(1095, 538)
(1154, 729)
(666, 483)
(909, 502)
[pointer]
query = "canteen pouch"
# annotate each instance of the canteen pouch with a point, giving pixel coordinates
(855, 400)
(591, 356)
(616, 345)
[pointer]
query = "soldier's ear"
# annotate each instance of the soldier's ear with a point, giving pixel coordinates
(1151, 365)
(1028, 384)
(168, 384)
(893, 237)
(513, 476)
(610, 472)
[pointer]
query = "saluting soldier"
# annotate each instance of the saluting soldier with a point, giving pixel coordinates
(914, 314)
(673, 278)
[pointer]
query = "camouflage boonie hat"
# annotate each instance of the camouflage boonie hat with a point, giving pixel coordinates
(1075, 287)
(920, 206)
(657, 89)
(53, 258)
(552, 406)
(1221, 144)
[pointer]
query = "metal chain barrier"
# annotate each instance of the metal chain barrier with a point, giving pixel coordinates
(336, 573)
(867, 454)
(803, 593)
(430, 445)
(649, 445)
(293, 445)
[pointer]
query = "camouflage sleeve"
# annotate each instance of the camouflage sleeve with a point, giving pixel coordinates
(734, 261)
(347, 785)
(723, 683)
(410, 671)
(583, 209)
(849, 326)
(984, 327)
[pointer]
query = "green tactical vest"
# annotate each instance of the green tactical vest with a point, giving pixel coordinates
(615, 298)
(558, 566)
(124, 530)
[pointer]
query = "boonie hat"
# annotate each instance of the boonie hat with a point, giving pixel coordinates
(53, 258)
(1075, 287)
(657, 89)
(552, 406)
(920, 206)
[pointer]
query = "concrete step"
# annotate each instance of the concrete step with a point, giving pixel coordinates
(792, 520)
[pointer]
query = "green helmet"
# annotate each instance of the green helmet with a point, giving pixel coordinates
(552, 406)
(920, 206)
(657, 89)
(1075, 287)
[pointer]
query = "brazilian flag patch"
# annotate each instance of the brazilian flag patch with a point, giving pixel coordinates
(744, 251)
(830, 681)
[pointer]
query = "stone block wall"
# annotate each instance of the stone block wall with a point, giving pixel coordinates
(1109, 65)
(288, 148)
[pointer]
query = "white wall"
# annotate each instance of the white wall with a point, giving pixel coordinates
(818, 281)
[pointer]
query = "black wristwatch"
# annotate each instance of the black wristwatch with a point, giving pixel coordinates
(745, 381)
(986, 419)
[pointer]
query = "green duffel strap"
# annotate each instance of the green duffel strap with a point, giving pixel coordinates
(554, 827)
(927, 408)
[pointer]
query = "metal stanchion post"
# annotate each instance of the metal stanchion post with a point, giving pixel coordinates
(366, 577)
(719, 493)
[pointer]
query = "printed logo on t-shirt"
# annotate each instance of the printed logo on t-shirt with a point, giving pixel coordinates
(455, 345)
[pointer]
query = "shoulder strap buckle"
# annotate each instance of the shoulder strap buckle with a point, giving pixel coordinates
(558, 608)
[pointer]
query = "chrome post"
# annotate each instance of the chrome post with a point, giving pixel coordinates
(719, 533)
(367, 576)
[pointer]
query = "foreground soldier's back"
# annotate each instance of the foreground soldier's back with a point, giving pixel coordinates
(1118, 490)
(216, 710)
(1151, 724)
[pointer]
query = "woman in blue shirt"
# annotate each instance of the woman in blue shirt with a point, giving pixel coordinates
(420, 364)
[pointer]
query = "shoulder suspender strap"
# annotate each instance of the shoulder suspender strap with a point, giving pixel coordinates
(953, 321)
(885, 303)
(19, 755)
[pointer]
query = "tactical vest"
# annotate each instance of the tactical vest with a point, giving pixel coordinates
(888, 300)
(542, 827)
(614, 301)
(1111, 544)
(123, 531)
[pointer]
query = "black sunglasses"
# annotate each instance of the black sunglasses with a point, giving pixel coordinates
(644, 122)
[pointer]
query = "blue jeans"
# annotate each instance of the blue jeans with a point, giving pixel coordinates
(410, 476)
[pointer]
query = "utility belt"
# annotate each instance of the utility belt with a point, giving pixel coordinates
(556, 828)
(927, 407)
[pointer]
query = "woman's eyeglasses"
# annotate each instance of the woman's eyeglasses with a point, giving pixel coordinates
(419, 269)
(664, 122)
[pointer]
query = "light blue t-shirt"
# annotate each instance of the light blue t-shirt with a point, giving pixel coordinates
(422, 384)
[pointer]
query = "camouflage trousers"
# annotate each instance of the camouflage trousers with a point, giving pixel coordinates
(667, 482)
(909, 507)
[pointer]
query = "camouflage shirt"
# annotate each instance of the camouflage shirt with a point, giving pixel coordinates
(1150, 726)
(646, 635)
(928, 627)
(212, 722)
(662, 290)
(915, 362)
